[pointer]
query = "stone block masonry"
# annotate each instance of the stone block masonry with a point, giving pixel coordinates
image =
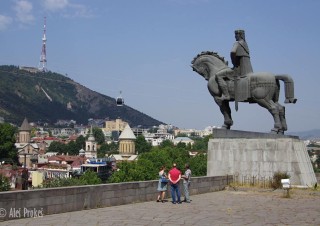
(260, 157)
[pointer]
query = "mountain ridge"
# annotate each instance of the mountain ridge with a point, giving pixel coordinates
(49, 96)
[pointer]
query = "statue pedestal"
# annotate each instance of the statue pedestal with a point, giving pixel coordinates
(259, 155)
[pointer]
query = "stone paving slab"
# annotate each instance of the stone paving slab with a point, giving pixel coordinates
(216, 208)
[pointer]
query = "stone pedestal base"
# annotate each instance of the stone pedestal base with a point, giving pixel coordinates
(260, 158)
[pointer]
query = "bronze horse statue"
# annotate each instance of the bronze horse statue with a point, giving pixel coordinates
(257, 87)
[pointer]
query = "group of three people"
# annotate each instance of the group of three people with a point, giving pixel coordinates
(174, 176)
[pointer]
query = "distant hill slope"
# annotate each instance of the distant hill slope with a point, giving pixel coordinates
(307, 135)
(50, 96)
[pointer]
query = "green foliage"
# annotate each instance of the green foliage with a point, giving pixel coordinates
(81, 142)
(149, 163)
(142, 145)
(105, 148)
(56, 146)
(98, 135)
(88, 178)
(61, 182)
(7, 141)
(124, 173)
(276, 181)
(166, 143)
(201, 144)
(198, 164)
(181, 145)
(72, 148)
(4, 183)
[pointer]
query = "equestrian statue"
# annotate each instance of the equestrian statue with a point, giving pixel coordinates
(241, 84)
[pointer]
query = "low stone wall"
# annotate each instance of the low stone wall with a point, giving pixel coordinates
(40, 202)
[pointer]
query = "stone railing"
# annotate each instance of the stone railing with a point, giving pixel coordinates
(40, 202)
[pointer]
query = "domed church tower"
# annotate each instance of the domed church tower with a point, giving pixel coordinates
(127, 141)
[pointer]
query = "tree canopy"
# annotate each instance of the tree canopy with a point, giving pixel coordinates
(7, 141)
(142, 145)
(149, 163)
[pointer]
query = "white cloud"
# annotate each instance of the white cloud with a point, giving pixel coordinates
(67, 8)
(4, 22)
(23, 11)
(78, 10)
(55, 5)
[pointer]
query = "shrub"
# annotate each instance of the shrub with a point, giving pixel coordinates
(276, 181)
(61, 182)
(4, 183)
(88, 178)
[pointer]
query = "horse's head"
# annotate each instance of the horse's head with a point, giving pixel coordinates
(208, 63)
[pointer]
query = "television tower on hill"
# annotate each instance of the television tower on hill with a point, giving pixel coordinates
(43, 56)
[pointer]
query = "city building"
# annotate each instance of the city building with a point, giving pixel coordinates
(184, 140)
(28, 152)
(91, 146)
(126, 146)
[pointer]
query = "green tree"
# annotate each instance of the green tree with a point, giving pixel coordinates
(142, 145)
(105, 148)
(81, 142)
(159, 157)
(166, 143)
(201, 144)
(56, 146)
(72, 148)
(7, 141)
(98, 135)
(90, 177)
(148, 164)
(4, 183)
(198, 164)
(102, 151)
(181, 145)
(123, 173)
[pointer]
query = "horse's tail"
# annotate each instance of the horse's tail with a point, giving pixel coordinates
(289, 88)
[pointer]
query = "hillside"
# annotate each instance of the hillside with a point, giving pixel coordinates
(307, 135)
(49, 96)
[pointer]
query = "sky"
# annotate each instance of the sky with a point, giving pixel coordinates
(144, 49)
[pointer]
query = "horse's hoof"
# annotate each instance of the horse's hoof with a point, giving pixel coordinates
(274, 131)
(290, 100)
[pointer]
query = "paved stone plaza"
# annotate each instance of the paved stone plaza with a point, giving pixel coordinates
(246, 207)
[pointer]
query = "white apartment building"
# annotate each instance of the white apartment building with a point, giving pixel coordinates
(155, 139)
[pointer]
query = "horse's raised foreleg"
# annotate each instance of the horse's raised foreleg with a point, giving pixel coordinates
(226, 112)
(274, 110)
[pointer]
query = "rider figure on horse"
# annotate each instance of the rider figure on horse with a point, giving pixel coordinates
(240, 58)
